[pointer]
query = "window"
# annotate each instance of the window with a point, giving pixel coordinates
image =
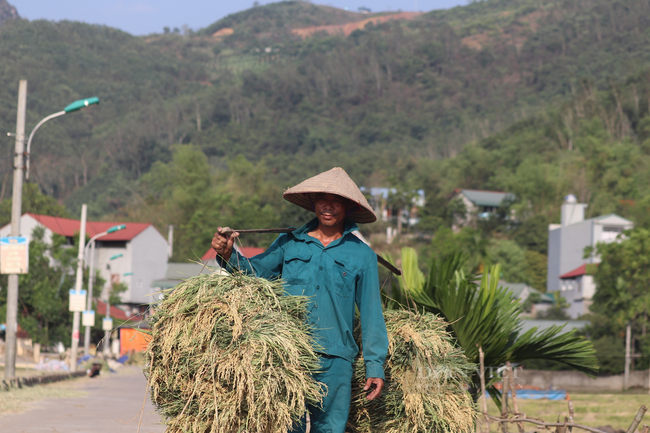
(610, 233)
(111, 244)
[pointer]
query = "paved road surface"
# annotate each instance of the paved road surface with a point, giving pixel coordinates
(112, 401)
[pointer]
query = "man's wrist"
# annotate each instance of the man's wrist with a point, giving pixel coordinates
(374, 370)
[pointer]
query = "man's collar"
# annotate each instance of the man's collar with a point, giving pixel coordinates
(302, 232)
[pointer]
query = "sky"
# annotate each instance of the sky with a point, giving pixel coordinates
(143, 17)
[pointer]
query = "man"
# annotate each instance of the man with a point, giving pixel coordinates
(325, 261)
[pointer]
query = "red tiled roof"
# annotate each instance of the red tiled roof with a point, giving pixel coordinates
(582, 270)
(116, 313)
(67, 227)
(246, 251)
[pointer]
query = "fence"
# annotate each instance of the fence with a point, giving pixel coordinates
(576, 381)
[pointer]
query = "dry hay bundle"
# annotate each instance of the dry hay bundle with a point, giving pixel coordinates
(426, 377)
(230, 353)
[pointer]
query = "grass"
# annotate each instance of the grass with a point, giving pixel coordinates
(592, 410)
(17, 400)
(22, 372)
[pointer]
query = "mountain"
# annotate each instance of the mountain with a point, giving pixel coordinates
(66, 61)
(278, 19)
(384, 102)
(7, 12)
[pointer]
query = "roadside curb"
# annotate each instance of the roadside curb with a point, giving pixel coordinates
(20, 382)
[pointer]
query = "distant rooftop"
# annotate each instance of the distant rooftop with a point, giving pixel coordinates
(69, 227)
(485, 198)
(385, 192)
(577, 272)
(518, 288)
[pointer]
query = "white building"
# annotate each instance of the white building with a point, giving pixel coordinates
(578, 288)
(135, 256)
(567, 270)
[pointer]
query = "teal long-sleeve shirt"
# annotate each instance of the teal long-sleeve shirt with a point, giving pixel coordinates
(336, 278)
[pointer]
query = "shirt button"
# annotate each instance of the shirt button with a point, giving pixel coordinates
(321, 268)
(317, 287)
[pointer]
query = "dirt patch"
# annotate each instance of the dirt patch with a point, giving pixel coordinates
(226, 31)
(346, 29)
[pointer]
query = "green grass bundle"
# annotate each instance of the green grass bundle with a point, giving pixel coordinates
(230, 353)
(426, 379)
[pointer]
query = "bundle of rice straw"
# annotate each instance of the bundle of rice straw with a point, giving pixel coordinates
(425, 386)
(230, 353)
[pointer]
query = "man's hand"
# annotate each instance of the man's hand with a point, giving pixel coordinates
(377, 386)
(223, 241)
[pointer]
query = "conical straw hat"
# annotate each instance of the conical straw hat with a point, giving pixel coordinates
(335, 181)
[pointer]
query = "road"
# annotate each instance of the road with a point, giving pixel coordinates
(112, 405)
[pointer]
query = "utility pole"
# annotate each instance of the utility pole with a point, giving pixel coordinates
(78, 286)
(107, 329)
(16, 204)
(89, 299)
(628, 338)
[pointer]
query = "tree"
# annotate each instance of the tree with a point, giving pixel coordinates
(512, 259)
(33, 202)
(484, 315)
(622, 279)
(43, 296)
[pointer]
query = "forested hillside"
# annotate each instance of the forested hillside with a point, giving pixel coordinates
(7, 12)
(541, 99)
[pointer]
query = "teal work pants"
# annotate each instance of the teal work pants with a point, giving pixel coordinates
(336, 374)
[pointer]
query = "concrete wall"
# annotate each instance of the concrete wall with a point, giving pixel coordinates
(149, 263)
(574, 239)
(576, 381)
(554, 257)
(118, 266)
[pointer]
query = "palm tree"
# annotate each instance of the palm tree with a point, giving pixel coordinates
(485, 315)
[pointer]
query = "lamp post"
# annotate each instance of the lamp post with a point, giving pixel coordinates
(91, 278)
(21, 162)
(75, 106)
(108, 323)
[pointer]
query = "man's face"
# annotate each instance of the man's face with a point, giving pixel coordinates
(331, 209)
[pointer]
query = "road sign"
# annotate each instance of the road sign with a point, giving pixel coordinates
(107, 324)
(77, 300)
(88, 318)
(14, 255)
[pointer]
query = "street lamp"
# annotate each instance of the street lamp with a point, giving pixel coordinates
(91, 279)
(107, 323)
(75, 106)
(16, 209)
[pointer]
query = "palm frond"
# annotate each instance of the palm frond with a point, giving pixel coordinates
(485, 314)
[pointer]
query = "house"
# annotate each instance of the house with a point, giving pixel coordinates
(135, 256)
(521, 292)
(578, 288)
(479, 204)
(566, 245)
